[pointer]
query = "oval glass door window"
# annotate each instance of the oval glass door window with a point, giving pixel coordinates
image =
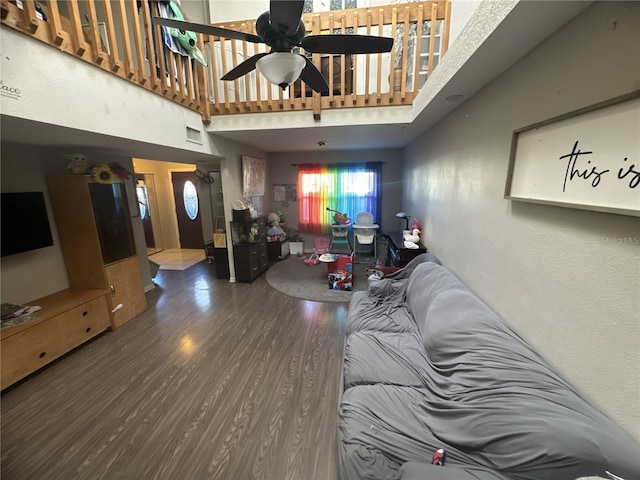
(190, 199)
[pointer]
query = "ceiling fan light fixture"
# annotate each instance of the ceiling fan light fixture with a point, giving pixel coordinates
(281, 68)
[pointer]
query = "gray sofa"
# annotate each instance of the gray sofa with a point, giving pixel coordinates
(427, 365)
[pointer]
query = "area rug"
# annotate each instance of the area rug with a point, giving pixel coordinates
(292, 277)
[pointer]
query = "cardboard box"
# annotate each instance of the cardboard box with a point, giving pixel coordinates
(296, 248)
(341, 280)
(344, 262)
(220, 240)
(340, 273)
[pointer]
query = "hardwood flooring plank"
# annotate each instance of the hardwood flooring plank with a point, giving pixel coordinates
(213, 381)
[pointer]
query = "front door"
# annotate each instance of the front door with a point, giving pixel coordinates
(187, 203)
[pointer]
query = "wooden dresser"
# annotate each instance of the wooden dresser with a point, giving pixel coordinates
(67, 319)
(249, 248)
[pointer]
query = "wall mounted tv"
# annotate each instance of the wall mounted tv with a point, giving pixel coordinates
(25, 223)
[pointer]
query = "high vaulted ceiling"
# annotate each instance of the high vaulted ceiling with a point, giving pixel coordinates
(495, 37)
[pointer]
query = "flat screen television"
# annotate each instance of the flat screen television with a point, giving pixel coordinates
(24, 223)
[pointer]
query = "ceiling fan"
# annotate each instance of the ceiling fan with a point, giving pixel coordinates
(282, 29)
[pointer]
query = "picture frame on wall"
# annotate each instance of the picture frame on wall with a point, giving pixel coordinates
(585, 159)
(253, 177)
(285, 192)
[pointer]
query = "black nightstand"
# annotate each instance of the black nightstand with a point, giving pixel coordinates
(399, 255)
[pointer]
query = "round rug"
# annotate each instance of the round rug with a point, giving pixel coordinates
(293, 277)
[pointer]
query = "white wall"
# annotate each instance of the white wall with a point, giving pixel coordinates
(566, 279)
(59, 89)
(231, 10)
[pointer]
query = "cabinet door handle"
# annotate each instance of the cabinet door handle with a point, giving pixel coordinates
(113, 291)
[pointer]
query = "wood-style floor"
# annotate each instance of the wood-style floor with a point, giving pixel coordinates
(213, 381)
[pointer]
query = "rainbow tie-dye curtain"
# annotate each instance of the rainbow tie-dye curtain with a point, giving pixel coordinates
(349, 188)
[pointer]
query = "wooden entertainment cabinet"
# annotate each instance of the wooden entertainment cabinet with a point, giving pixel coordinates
(66, 320)
(94, 226)
(106, 290)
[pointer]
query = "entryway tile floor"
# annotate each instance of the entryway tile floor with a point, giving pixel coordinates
(177, 258)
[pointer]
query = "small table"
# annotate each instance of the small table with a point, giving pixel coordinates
(399, 255)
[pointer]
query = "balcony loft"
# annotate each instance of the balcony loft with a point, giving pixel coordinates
(62, 97)
(116, 37)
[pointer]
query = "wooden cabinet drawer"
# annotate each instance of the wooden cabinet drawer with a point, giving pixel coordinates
(247, 272)
(264, 261)
(246, 253)
(32, 348)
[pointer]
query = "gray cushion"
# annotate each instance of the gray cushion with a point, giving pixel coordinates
(367, 314)
(384, 357)
(422, 471)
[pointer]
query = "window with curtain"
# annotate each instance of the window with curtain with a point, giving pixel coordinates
(349, 188)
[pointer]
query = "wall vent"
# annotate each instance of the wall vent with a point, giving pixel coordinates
(193, 135)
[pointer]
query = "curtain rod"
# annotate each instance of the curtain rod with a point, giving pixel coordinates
(344, 163)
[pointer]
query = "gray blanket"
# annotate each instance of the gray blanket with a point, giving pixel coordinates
(430, 366)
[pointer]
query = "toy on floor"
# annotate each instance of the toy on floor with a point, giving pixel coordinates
(378, 268)
(312, 260)
(339, 218)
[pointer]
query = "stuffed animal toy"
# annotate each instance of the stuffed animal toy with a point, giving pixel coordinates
(253, 232)
(339, 218)
(413, 237)
(77, 163)
(416, 226)
(275, 232)
(273, 217)
(186, 39)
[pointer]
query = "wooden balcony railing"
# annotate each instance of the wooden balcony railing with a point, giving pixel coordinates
(421, 37)
(117, 36)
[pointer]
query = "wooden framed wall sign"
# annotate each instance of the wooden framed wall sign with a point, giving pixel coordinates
(253, 177)
(587, 159)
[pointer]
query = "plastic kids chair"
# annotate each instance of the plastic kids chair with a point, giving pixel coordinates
(320, 245)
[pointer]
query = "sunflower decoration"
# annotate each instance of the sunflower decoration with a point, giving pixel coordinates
(103, 174)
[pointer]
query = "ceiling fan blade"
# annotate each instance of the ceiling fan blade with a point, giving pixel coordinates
(312, 77)
(284, 15)
(245, 67)
(346, 44)
(206, 29)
